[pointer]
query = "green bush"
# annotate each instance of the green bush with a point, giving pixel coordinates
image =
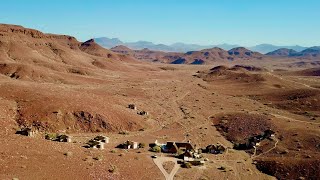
(124, 132)
(99, 157)
(142, 145)
(156, 149)
(112, 169)
(180, 152)
(51, 136)
(187, 165)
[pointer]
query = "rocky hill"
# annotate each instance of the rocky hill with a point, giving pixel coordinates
(312, 52)
(206, 56)
(47, 77)
(309, 53)
(282, 52)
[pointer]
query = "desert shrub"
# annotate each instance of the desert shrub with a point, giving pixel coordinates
(68, 154)
(156, 149)
(51, 136)
(236, 146)
(222, 168)
(99, 157)
(124, 132)
(142, 145)
(88, 158)
(187, 165)
(112, 169)
(180, 152)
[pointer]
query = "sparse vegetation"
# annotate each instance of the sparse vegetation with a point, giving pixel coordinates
(112, 169)
(156, 149)
(68, 154)
(186, 165)
(45, 97)
(168, 166)
(88, 158)
(180, 152)
(168, 68)
(51, 136)
(124, 132)
(142, 145)
(99, 157)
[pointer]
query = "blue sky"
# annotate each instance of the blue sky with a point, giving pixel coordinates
(243, 22)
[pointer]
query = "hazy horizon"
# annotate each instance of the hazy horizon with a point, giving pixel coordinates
(240, 22)
(202, 44)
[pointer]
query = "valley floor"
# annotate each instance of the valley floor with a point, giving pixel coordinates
(181, 107)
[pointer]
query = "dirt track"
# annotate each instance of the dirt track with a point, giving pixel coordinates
(159, 162)
(48, 86)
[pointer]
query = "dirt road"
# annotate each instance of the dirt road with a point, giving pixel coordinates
(160, 160)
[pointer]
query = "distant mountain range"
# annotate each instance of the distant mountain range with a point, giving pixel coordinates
(211, 55)
(312, 52)
(182, 47)
(205, 56)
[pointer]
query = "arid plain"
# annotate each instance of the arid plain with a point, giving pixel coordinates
(53, 83)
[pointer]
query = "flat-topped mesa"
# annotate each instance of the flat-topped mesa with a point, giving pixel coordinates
(32, 37)
(7, 29)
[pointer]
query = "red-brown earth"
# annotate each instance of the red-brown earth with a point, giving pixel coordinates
(57, 84)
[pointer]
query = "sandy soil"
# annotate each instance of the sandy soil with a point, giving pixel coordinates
(49, 89)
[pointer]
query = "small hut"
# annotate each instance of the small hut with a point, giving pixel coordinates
(63, 138)
(95, 144)
(143, 113)
(215, 149)
(129, 145)
(101, 138)
(132, 106)
(27, 132)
